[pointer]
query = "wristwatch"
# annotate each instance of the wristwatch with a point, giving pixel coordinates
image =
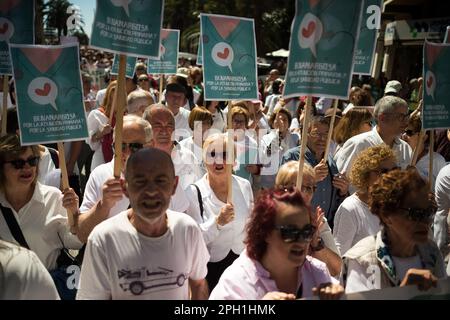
(320, 245)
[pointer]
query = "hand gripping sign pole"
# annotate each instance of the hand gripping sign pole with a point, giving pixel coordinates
(304, 140)
(119, 108)
(5, 104)
(330, 132)
(65, 184)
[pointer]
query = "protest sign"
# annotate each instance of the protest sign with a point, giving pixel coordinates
(128, 27)
(436, 86)
(229, 60)
(130, 64)
(365, 48)
(168, 55)
(16, 26)
(49, 93)
(321, 48)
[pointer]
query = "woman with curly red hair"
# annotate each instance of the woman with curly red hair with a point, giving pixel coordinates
(401, 253)
(275, 264)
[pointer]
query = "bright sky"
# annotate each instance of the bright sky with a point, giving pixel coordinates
(87, 8)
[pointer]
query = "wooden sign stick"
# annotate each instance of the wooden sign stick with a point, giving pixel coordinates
(417, 148)
(230, 156)
(65, 182)
(331, 129)
(161, 86)
(430, 165)
(304, 140)
(120, 106)
(5, 104)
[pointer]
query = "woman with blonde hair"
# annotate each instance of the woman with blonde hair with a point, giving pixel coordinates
(322, 246)
(100, 130)
(353, 220)
(222, 222)
(355, 121)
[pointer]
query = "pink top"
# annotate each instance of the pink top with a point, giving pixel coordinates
(246, 279)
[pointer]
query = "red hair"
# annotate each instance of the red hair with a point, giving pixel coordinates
(262, 219)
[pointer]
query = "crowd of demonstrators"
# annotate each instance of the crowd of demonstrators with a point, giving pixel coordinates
(168, 215)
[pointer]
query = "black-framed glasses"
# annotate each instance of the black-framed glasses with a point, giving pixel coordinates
(20, 163)
(291, 234)
(132, 146)
(419, 214)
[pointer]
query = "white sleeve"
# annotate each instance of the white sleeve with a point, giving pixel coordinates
(92, 193)
(327, 237)
(94, 123)
(208, 222)
(356, 280)
(200, 254)
(26, 278)
(95, 283)
(345, 156)
(442, 194)
(345, 228)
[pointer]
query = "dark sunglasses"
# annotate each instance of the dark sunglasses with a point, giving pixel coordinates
(133, 146)
(20, 163)
(309, 189)
(143, 79)
(291, 234)
(410, 133)
(214, 154)
(419, 214)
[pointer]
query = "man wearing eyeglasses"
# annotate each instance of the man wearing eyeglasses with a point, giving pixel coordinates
(103, 196)
(332, 187)
(391, 115)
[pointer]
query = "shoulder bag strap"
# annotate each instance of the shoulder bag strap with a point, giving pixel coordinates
(199, 196)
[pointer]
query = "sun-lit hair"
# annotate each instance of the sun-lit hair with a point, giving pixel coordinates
(350, 124)
(199, 114)
(109, 97)
(262, 219)
(288, 172)
(368, 161)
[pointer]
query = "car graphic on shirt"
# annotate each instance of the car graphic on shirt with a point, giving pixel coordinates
(139, 280)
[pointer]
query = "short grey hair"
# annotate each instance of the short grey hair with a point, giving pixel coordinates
(137, 99)
(144, 124)
(387, 104)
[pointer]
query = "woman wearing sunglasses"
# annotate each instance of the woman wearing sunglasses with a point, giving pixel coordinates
(275, 264)
(39, 210)
(401, 253)
(411, 136)
(222, 223)
(353, 220)
(322, 245)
